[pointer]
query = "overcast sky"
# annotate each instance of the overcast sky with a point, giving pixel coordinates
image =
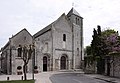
(36, 14)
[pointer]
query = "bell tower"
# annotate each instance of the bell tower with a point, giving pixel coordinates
(74, 17)
(76, 22)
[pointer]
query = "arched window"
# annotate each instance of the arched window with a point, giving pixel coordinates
(46, 47)
(77, 51)
(19, 51)
(76, 20)
(64, 37)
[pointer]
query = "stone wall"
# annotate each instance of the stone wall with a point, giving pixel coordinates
(90, 68)
(114, 66)
(60, 47)
(77, 46)
(43, 44)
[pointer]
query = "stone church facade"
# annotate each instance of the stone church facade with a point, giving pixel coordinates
(58, 46)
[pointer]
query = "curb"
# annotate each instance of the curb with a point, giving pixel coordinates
(110, 81)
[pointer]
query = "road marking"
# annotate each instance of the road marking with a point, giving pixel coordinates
(77, 80)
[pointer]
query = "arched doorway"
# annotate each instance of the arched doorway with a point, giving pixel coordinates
(44, 63)
(63, 62)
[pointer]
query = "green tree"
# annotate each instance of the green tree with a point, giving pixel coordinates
(96, 42)
(89, 59)
(97, 52)
(102, 44)
(88, 50)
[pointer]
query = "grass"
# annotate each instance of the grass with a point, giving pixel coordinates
(18, 81)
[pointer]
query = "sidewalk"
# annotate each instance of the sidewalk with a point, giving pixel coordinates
(42, 77)
(105, 78)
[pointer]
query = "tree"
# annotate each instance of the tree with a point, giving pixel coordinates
(99, 30)
(96, 42)
(88, 50)
(88, 60)
(103, 43)
(111, 41)
(25, 52)
(111, 46)
(96, 46)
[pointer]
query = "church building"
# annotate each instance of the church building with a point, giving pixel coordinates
(59, 46)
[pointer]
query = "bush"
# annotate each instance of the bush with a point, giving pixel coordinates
(19, 67)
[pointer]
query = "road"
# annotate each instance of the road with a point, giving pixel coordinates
(73, 78)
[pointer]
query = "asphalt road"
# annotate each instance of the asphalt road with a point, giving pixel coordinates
(73, 78)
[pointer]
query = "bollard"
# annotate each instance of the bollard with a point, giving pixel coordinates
(22, 77)
(8, 78)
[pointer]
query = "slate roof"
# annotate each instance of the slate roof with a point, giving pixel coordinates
(47, 28)
(73, 11)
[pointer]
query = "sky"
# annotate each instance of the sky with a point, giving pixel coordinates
(34, 15)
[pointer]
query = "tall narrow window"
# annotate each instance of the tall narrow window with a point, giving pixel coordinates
(64, 37)
(46, 47)
(76, 20)
(77, 51)
(19, 51)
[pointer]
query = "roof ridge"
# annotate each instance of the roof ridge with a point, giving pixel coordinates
(73, 11)
(20, 32)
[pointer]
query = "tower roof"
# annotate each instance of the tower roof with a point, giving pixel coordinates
(73, 11)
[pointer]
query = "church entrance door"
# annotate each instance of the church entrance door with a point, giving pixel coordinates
(63, 62)
(44, 63)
